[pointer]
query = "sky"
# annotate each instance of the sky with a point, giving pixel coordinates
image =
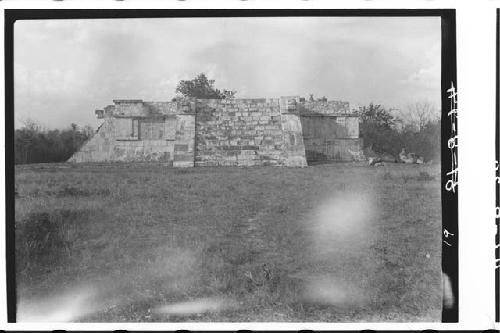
(65, 69)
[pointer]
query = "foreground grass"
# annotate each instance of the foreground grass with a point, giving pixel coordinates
(336, 242)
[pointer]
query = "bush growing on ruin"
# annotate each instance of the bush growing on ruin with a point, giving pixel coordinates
(203, 88)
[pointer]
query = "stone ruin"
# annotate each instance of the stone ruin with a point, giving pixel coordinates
(286, 131)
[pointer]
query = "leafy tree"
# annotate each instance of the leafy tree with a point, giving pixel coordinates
(203, 88)
(376, 114)
(378, 128)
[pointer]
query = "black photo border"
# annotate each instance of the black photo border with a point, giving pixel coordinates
(497, 173)
(449, 199)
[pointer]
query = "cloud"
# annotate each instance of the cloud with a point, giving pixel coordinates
(47, 81)
(423, 83)
(67, 68)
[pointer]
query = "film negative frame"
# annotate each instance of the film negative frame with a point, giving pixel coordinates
(449, 110)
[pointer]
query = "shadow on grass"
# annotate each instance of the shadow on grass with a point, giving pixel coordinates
(46, 240)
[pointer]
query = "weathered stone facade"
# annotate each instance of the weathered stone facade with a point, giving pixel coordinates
(232, 132)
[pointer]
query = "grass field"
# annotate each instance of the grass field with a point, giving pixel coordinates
(332, 242)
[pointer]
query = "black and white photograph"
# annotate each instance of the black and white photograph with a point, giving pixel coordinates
(273, 168)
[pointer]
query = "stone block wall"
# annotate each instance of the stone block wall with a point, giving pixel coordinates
(138, 131)
(161, 108)
(294, 149)
(129, 108)
(352, 125)
(244, 132)
(318, 149)
(233, 132)
(331, 127)
(328, 137)
(328, 107)
(184, 141)
(104, 146)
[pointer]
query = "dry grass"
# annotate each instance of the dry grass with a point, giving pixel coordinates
(137, 238)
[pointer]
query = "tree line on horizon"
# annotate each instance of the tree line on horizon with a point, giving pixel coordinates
(384, 132)
(34, 144)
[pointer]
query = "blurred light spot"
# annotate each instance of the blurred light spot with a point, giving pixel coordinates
(343, 220)
(63, 308)
(331, 291)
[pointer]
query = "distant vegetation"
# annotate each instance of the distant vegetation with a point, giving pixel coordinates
(385, 132)
(33, 144)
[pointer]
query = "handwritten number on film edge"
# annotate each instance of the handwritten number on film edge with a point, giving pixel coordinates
(453, 140)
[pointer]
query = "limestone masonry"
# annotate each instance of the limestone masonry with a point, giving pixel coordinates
(286, 131)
